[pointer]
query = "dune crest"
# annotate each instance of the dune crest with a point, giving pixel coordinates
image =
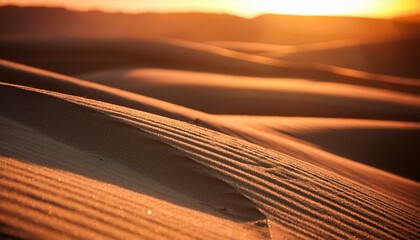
(256, 96)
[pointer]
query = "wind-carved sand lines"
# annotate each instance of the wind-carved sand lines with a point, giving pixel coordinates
(309, 202)
(155, 163)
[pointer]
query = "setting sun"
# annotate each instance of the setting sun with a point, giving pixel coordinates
(304, 7)
(247, 8)
(377, 8)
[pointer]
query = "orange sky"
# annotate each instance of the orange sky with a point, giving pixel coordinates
(248, 8)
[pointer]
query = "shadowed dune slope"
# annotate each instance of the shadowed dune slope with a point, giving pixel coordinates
(298, 199)
(392, 146)
(79, 56)
(62, 54)
(398, 57)
(263, 96)
(28, 76)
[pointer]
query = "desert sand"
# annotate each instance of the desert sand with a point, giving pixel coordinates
(208, 137)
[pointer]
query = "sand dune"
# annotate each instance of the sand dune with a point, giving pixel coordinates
(279, 51)
(95, 55)
(387, 145)
(385, 182)
(255, 47)
(296, 199)
(81, 56)
(382, 181)
(70, 206)
(397, 57)
(28, 76)
(269, 28)
(413, 19)
(257, 96)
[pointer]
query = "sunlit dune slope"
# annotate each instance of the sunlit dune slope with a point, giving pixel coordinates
(390, 184)
(257, 48)
(392, 146)
(78, 56)
(279, 51)
(262, 96)
(80, 142)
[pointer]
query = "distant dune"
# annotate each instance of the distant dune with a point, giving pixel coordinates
(413, 19)
(263, 96)
(276, 29)
(80, 56)
(397, 57)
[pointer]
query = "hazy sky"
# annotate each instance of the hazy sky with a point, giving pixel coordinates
(370, 8)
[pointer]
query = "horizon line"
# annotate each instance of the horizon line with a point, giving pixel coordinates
(246, 16)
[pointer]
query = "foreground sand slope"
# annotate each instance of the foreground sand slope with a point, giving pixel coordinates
(248, 183)
(47, 203)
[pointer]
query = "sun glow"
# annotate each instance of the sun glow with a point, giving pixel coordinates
(249, 8)
(313, 7)
(374, 8)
